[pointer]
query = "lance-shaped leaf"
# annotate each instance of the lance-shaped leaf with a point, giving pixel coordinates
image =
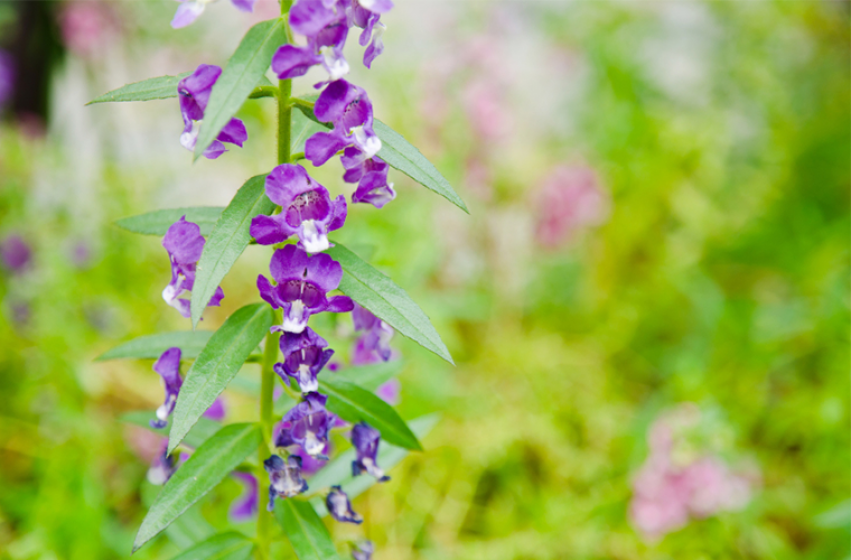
(305, 530)
(158, 221)
(210, 463)
(355, 404)
(163, 87)
(153, 345)
(224, 546)
(399, 154)
(227, 242)
(217, 364)
(200, 432)
(185, 531)
(244, 70)
(370, 376)
(386, 300)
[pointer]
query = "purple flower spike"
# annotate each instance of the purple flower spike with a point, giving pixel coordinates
(349, 108)
(306, 210)
(376, 334)
(184, 244)
(365, 439)
(304, 358)
(189, 10)
(194, 93)
(244, 507)
(364, 551)
(307, 425)
(168, 366)
(340, 507)
(303, 283)
(284, 478)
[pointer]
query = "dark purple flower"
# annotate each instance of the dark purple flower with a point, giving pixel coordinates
(324, 47)
(371, 177)
(184, 244)
(376, 333)
(306, 210)
(245, 506)
(307, 424)
(284, 478)
(189, 10)
(304, 357)
(303, 284)
(168, 366)
(164, 465)
(16, 253)
(340, 507)
(194, 92)
(364, 551)
(7, 77)
(365, 440)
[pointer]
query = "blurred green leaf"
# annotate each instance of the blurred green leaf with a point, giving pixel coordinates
(227, 242)
(353, 403)
(158, 221)
(243, 72)
(305, 530)
(163, 87)
(387, 301)
(370, 376)
(217, 364)
(203, 430)
(210, 463)
(153, 345)
(224, 546)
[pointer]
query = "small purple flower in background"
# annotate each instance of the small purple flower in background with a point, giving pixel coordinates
(366, 15)
(184, 244)
(311, 465)
(340, 507)
(389, 392)
(570, 200)
(306, 210)
(364, 551)
(194, 93)
(365, 440)
(307, 424)
(164, 465)
(7, 77)
(374, 344)
(245, 506)
(304, 357)
(16, 254)
(217, 410)
(303, 284)
(189, 10)
(168, 366)
(284, 478)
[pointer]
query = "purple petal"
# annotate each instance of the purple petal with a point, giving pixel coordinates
(184, 241)
(340, 507)
(214, 150)
(325, 272)
(286, 182)
(268, 230)
(339, 211)
(291, 62)
(187, 13)
(375, 48)
(216, 411)
(244, 5)
(308, 17)
(340, 304)
(322, 146)
(245, 507)
(389, 392)
(268, 292)
(363, 318)
(168, 366)
(377, 6)
(234, 132)
(196, 88)
(289, 263)
(217, 298)
(16, 253)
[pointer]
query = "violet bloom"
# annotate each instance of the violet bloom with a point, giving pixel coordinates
(306, 210)
(325, 47)
(194, 92)
(364, 551)
(184, 244)
(164, 465)
(376, 333)
(307, 424)
(217, 410)
(16, 253)
(371, 177)
(365, 440)
(303, 284)
(168, 366)
(284, 478)
(309, 465)
(245, 506)
(340, 507)
(7, 77)
(189, 10)
(304, 357)
(366, 15)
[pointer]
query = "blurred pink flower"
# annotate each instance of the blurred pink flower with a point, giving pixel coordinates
(390, 391)
(571, 199)
(87, 27)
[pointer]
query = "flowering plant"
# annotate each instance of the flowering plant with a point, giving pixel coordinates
(292, 462)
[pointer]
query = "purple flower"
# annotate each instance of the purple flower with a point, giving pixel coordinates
(304, 357)
(376, 333)
(306, 210)
(309, 17)
(194, 92)
(7, 77)
(184, 244)
(310, 465)
(189, 10)
(364, 551)
(245, 506)
(365, 439)
(371, 177)
(307, 425)
(164, 465)
(303, 283)
(168, 366)
(389, 391)
(217, 410)
(324, 47)
(284, 478)
(366, 15)
(16, 253)
(340, 507)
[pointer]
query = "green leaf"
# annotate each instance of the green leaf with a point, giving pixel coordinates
(387, 301)
(210, 463)
(158, 221)
(224, 546)
(163, 87)
(153, 345)
(305, 530)
(302, 128)
(355, 404)
(217, 364)
(227, 242)
(200, 432)
(188, 529)
(244, 70)
(371, 376)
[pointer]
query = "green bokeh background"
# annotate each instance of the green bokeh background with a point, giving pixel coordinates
(720, 131)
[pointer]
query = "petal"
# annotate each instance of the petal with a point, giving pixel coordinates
(322, 146)
(234, 132)
(324, 271)
(286, 182)
(289, 263)
(168, 366)
(308, 17)
(187, 13)
(184, 241)
(291, 62)
(215, 150)
(332, 102)
(245, 507)
(268, 292)
(198, 86)
(268, 230)
(217, 298)
(340, 304)
(244, 5)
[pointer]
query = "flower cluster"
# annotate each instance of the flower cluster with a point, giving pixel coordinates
(194, 93)
(184, 244)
